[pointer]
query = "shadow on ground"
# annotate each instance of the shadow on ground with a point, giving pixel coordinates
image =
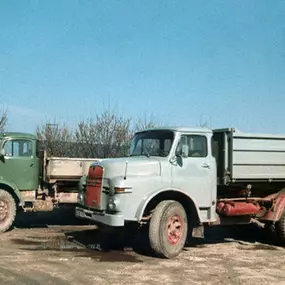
(118, 240)
(243, 234)
(92, 243)
(61, 216)
(116, 245)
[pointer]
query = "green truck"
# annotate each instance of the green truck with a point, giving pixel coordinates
(31, 181)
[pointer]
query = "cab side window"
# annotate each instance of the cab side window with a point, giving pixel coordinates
(196, 146)
(18, 148)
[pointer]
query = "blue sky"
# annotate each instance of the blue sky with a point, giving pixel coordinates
(182, 62)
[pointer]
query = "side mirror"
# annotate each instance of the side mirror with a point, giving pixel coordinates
(183, 151)
(2, 152)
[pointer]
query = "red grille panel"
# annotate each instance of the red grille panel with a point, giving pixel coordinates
(94, 185)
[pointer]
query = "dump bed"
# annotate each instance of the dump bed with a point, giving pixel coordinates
(66, 169)
(245, 157)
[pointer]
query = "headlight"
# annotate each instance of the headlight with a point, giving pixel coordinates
(80, 198)
(113, 203)
(82, 183)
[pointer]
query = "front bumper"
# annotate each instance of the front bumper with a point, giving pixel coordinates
(106, 219)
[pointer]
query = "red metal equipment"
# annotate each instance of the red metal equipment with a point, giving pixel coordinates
(232, 208)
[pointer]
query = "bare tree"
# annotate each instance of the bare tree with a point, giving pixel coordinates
(85, 139)
(146, 122)
(107, 135)
(56, 138)
(3, 119)
(204, 122)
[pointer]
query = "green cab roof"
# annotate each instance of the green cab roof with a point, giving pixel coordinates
(17, 135)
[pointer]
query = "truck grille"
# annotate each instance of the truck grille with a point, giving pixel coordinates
(94, 186)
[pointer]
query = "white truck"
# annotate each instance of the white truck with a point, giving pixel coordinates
(178, 179)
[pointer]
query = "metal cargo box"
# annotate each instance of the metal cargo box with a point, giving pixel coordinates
(245, 156)
(60, 168)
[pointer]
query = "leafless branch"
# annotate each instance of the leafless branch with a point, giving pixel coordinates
(56, 138)
(147, 122)
(106, 135)
(3, 119)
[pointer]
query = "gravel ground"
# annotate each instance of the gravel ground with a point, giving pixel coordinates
(44, 249)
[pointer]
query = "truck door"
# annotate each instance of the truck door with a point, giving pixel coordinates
(194, 169)
(19, 163)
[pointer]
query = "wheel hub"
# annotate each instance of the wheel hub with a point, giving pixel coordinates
(174, 229)
(3, 210)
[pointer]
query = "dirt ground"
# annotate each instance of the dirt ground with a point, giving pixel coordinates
(66, 252)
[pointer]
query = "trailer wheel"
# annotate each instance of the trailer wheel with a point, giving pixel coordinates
(168, 229)
(280, 228)
(7, 210)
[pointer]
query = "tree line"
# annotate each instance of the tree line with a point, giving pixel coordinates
(104, 136)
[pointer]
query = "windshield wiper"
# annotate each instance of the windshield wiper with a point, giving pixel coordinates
(141, 154)
(146, 153)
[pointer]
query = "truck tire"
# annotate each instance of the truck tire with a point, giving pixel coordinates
(7, 210)
(280, 228)
(168, 229)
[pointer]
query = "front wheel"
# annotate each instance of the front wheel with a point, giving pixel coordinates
(168, 229)
(7, 210)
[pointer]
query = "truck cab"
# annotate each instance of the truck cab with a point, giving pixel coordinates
(173, 164)
(19, 161)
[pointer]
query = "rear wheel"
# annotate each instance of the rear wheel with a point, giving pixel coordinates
(280, 228)
(7, 210)
(168, 229)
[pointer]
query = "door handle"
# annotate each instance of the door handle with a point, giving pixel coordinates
(206, 165)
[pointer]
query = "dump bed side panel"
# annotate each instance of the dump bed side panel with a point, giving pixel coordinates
(258, 157)
(67, 169)
(248, 157)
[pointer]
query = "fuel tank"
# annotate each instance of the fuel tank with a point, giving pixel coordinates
(238, 208)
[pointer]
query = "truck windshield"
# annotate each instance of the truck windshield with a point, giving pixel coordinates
(152, 143)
